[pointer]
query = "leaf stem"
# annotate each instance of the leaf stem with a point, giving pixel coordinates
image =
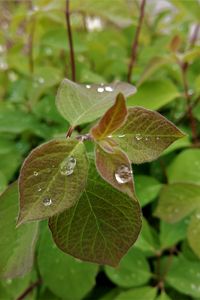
(30, 289)
(69, 132)
(71, 48)
(135, 41)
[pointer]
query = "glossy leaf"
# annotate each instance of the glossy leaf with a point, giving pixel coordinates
(16, 245)
(116, 169)
(141, 293)
(49, 183)
(145, 134)
(133, 270)
(194, 232)
(184, 276)
(101, 227)
(80, 104)
(185, 167)
(111, 120)
(177, 201)
(74, 278)
(154, 94)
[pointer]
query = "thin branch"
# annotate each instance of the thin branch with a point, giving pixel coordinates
(69, 132)
(71, 48)
(29, 289)
(135, 41)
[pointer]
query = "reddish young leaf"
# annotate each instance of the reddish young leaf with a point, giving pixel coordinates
(115, 168)
(112, 119)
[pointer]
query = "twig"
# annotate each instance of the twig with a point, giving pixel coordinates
(69, 132)
(29, 289)
(135, 41)
(71, 48)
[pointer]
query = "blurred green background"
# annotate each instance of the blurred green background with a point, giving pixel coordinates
(34, 58)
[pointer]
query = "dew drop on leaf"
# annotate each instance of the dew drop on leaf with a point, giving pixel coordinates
(121, 135)
(138, 137)
(100, 90)
(35, 173)
(67, 166)
(39, 189)
(88, 86)
(123, 174)
(108, 89)
(47, 201)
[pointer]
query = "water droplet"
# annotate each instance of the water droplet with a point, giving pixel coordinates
(41, 80)
(108, 89)
(47, 201)
(146, 138)
(88, 86)
(100, 90)
(157, 138)
(35, 173)
(67, 166)
(39, 189)
(109, 136)
(138, 137)
(121, 135)
(123, 174)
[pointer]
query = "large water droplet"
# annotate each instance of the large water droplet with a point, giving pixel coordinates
(123, 174)
(108, 89)
(35, 173)
(138, 137)
(67, 166)
(47, 201)
(100, 90)
(88, 86)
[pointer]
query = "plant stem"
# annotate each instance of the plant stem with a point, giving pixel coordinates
(71, 48)
(29, 289)
(135, 41)
(69, 132)
(194, 36)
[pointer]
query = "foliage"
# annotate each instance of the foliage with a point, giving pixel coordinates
(88, 149)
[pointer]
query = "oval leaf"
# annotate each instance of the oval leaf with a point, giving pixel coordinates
(145, 134)
(101, 227)
(52, 179)
(80, 103)
(112, 119)
(16, 245)
(115, 168)
(194, 232)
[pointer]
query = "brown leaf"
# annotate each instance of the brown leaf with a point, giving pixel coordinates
(112, 119)
(115, 168)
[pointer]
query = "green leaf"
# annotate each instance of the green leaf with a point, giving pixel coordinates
(185, 167)
(52, 179)
(3, 182)
(184, 276)
(142, 293)
(73, 278)
(115, 168)
(147, 188)
(80, 103)
(133, 270)
(171, 234)
(163, 296)
(154, 94)
(145, 134)
(16, 245)
(177, 201)
(101, 227)
(194, 232)
(191, 7)
(111, 120)
(148, 240)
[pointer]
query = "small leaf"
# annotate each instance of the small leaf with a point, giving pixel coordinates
(154, 94)
(177, 201)
(16, 245)
(111, 120)
(101, 227)
(133, 270)
(52, 179)
(80, 103)
(194, 232)
(115, 168)
(184, 276)
(145, 134)
(73, 277)
(185, 167)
